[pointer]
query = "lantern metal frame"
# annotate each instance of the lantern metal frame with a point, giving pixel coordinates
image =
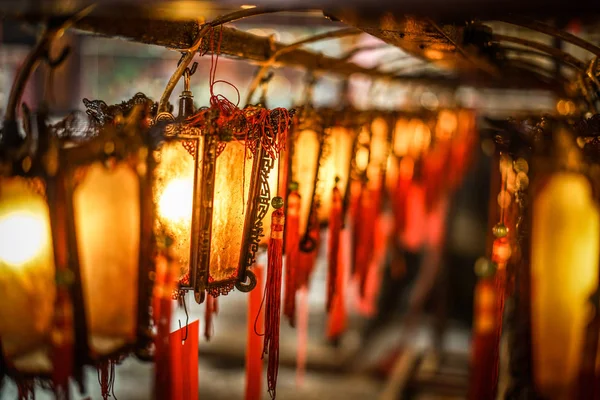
(309, 119)
(119, 134)
(209, 142)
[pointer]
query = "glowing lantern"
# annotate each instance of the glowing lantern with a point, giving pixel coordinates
(106, 184)
(341, 141)
(564, 263)
(76, 245)
(212, 198)
(305, 170)
(380, 144)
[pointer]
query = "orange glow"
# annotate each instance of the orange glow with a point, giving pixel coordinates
(564, 263)
(175, 202)
(27, 274)
(446, 124)
(173, 195)
(401, 137)
(23, 236)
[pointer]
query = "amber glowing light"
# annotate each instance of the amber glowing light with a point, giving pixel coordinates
(26, 274)
(564, 262)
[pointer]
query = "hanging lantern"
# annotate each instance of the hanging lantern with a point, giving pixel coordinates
(307, 158)
(80, 211)
(214, 198)
(106, 182)
(564, 266)
(341, 143)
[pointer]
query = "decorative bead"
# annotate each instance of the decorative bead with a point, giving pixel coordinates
(522, 181)
(277, 202)
(500, 230)
(501, 251)
(521, 165)
(484, 268)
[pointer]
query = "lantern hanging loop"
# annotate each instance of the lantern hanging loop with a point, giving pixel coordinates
(53, 64)
(190, 52)
(293, 46)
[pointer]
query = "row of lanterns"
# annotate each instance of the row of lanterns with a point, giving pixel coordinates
(106, 219)
(80, 217)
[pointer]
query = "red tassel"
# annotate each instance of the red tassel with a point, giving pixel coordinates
(483, 372)
(212, 308)
(335, 229)
(364, 229)
(336, 324)
(254, 364)
(163, 289)
(306, 261)
(292, 248)
(405, 176)
(302, 335)
(273, 299)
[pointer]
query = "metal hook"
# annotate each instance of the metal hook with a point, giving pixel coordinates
(56, 62)
(187, 318)
(264, 82)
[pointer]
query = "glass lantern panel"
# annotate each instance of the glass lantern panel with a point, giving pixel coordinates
(174, 198)
(107, 220)
(305, 162)
(233, 176)
(379, 149)
(336, 165)
(27, 273)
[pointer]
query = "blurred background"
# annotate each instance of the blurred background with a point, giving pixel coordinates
(361, 365)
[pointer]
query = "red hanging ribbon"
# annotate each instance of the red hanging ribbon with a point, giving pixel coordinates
(483, 357)
(163, 289)
(335, 229)
(183, 356)
(273, 299)
(256, 322)
(212, 308)
(336, 323)
(292, 250)
(364, 230)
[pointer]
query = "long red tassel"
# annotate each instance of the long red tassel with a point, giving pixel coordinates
(364, 228)
(256, 321)
(302, 335)
(163, 289)
(212, 308)
(273, 299)
(335, 229)
(484, 341)
(336, 324)
(292, 248)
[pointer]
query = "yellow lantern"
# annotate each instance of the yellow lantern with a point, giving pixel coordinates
(307, 156)
(106, 184)
(380, 147)
(212, 200)
(341, 143)
(564, 265)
